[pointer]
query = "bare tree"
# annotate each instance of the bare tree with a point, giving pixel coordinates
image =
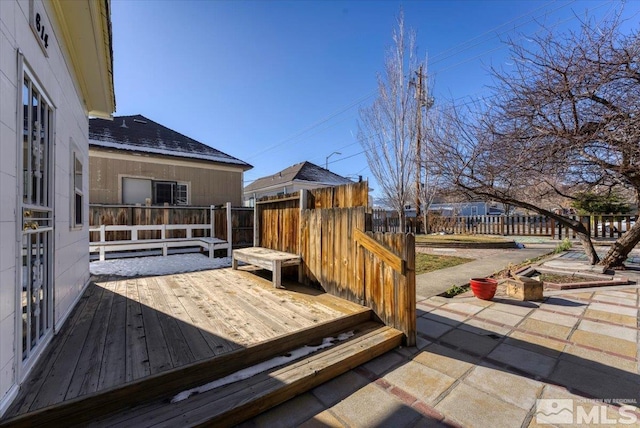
(387, 127)
(566, 118)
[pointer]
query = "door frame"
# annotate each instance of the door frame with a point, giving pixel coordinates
(23, 366)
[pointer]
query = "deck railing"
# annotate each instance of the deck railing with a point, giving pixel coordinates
(241, 221)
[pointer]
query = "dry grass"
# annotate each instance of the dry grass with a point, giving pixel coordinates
(460, 238)
(431, 262)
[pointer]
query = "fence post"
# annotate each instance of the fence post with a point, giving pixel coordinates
(229, 230)
(303, 206)
(212, 218)
(256, 226)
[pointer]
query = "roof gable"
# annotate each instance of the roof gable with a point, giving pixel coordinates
(140, 134)
(303, 171)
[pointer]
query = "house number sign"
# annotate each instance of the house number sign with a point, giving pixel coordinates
(39, 25)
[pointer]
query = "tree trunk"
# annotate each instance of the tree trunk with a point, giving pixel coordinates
(401, 221)
(620, 249)
(585, 240)
(425, 221)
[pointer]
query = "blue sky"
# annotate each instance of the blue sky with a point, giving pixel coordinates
(275, 83)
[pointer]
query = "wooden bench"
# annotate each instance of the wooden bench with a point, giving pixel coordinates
(266, 259)
(164, 243)
(210, 244)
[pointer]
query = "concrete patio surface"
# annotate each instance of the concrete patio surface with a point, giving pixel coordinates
(569, 360)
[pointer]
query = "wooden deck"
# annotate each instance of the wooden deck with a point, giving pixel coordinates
(126, 330)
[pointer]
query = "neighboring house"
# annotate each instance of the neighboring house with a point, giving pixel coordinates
(466, 209)
(303, 175)
(134, 160)
(56, 70)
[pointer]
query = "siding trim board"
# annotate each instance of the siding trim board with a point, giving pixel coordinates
(160, 160)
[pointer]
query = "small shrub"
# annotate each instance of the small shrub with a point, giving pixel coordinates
(455, 290)
(563, 246)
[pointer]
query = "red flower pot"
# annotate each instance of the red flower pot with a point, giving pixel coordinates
(483, 288)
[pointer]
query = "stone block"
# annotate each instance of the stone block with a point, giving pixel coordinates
(523, 288)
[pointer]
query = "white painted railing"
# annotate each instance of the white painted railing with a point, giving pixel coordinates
(207, 241)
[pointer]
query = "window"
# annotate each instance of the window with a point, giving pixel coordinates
(170, 192)
(78, 198)
(182, 197)
(163, 192)
(138, 190)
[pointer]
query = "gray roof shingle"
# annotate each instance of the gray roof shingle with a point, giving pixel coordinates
(140, 134)
(303, 171)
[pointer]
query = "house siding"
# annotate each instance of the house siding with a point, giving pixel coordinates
(209, 184)
(71, 260)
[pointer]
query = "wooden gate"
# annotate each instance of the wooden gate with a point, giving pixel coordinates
(376, 270)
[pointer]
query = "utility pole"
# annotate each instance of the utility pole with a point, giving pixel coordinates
(420, 103)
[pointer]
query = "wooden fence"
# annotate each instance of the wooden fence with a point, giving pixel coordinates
(388, 221)
(331, 229)
(599, 226)
(277, 218)
(141, 215)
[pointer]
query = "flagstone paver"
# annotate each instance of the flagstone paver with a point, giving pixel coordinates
(337, 389)
(482, 327)
(604, 342)
(446, 360)
(500, 317)
(524, 359)
(605, 307)
(323, 420)
(624, 333)
(520, 391)
(515, 307)
(420, 381)
(545, 328)
(446, 317)
(432, 328)
(470, 407)
(470, 342)
(288, 414)
(598, 359)
(555, 318)
(605, 382)
(564, 306)
(612, 299)
(543, 345)
(372, 406)
(465, 308)
(612, 317)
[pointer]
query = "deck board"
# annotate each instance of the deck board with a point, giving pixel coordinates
(63, 369)
(127, 329)
(112, 366)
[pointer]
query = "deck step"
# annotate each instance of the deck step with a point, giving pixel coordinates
(89, 407)
(233, 403)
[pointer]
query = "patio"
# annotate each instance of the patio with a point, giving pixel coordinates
(487, 363)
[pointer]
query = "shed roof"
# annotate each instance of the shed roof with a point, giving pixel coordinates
(139, 134)
(303, 171)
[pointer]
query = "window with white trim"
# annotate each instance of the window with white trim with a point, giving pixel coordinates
(182, 194)
(78, 196)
